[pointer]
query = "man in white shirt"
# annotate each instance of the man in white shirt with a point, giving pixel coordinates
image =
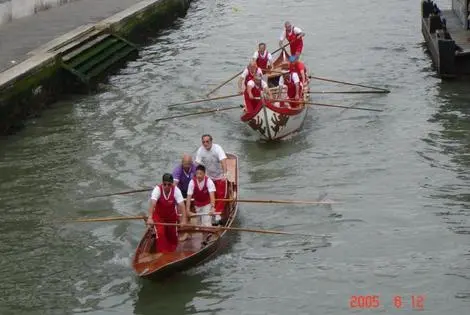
(294, 36)
(248, 74)
(202, 190)
(263, 58)
(213, 157)
(256, 89)
(290, 86)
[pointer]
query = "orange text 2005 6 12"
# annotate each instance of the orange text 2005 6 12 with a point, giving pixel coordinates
(415, 302)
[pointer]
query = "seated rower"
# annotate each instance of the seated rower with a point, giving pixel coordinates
(165, 200)
(291, 81)
(263, 58)
(202, 189)
(298, 67)
(250, 71)
(183, 173)
(255, 89)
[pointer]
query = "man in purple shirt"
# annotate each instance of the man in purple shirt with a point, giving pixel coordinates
(183, 173)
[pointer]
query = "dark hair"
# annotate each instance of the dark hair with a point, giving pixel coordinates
(264, 44)
(167, 177)
(201, 168)
(206, 135)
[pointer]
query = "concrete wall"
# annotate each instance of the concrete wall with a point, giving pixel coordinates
(15, 9)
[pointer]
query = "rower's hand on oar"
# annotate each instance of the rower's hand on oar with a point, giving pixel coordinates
(150, 222)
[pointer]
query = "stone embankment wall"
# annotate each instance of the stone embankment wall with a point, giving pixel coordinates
(15, 9)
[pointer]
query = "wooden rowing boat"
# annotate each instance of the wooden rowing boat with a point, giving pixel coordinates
(196, 249)
(270, 121)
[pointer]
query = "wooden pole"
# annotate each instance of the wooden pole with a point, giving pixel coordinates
(205, 100)
(200, 113)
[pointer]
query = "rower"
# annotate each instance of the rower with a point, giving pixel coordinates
(183, 173)
(202, 189)
(263, 58)
(165, 200)
(291, 81)
(294, 36)
(250, 71)
(255, 89)
(297, 66)
(213, 157)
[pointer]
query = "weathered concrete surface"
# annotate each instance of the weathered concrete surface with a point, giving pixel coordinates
(23, 35)
(27, 87)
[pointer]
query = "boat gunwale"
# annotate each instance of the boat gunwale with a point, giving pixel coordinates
(212, 246)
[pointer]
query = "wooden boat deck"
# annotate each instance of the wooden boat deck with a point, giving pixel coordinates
(147, 262)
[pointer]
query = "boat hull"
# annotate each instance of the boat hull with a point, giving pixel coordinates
(274, 123)
(190, 253)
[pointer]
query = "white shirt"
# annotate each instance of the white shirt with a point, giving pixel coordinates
(210, 186)
(178, 195)
(294, 76)
(270, 57)
(211, 160)
(245, 72)
(297, 31)
(251, 83)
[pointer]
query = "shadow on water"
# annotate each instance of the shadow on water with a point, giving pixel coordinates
(450, 151)
(175, 294)
(171, 296)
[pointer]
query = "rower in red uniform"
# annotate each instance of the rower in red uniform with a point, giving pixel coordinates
(250, 71)
(294, 37)
(164, 202)
(291, 81)
(202, 189)
(263, 58)
(297, 66)
(254, 93)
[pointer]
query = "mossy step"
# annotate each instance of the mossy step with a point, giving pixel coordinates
(114, 59)
(101, 58)
(91, 52)
(72, 53)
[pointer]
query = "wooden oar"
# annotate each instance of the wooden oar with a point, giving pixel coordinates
(202, 112)
(121, 193)
(106, 219)
(237, 74)
(198, 227)
(328, 105)
(349, 83)
(300, 202)
(346, 92)
(233, 229)
(205, 100)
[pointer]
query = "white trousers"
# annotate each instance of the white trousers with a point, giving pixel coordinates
(204, 220)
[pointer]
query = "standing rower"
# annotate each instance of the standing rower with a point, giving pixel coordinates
(250, 71)
(294, 36)
(202, 189)
(165, 200)
(255, 89)
(291, 82)
(213, 157)
(183, 173)
(263, 58)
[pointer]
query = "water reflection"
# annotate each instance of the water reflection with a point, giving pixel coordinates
(449, 150)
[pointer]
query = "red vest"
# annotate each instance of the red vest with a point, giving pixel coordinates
(165, 209)
(262, 62)
(296, 44)
(250, 76)
(290, 87)
(297, 68)
(201, 196)
(251, 104)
